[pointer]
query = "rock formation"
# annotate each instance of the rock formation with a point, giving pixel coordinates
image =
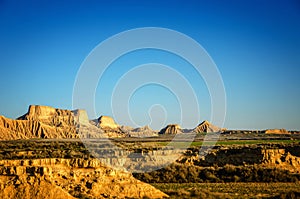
(171, 129)
(207, 127)
(144, 131)
(109, 127)
(26, 129)
(247, 155)
(277, 131)
(48, 122)
(107, 123)
(49, 116)
(282, 159)
(81, 117)
(68, 178)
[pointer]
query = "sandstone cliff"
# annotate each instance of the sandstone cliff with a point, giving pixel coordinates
(39, 122)
(68, 178)
(48, 122)
(108, 125)
(25, 129)
(49, 116)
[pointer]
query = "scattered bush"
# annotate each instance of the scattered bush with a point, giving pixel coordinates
(180, 173)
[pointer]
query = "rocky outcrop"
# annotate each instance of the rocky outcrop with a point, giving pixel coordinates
(69, 178)
(81, 117)
(243, 156)
(107, 123)
(26, 129)
(277, 131)
(282, 159)
(171, 129)
(49, 116)
(207, 127)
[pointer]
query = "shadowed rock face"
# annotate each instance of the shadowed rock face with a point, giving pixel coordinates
(171, 129)
(69, 178)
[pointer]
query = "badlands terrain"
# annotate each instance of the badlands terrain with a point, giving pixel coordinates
(54, 153)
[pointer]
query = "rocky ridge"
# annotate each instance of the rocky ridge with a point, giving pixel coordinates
(48, 122)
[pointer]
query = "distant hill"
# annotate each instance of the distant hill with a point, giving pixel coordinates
(207, 127)
(49, 122)
(171, 129)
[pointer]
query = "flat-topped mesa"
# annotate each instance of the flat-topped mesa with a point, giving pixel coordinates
(171, 129)
(207, 127)
(49, 115)
(39, 122)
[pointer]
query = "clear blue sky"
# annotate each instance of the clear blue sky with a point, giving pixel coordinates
(255, 44)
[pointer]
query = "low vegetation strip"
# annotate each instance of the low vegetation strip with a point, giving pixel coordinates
(181, 173)
(225, 142)
(230, 190)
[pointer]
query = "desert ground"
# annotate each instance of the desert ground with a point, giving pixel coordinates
(237, 167)
(53, 153)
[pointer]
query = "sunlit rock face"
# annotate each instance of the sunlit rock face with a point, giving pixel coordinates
(277, 131)
(49, 122)
(69, 178)
(107, 123)
(49, 115)
(39, 124)
(207, 127)
(81, 117)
